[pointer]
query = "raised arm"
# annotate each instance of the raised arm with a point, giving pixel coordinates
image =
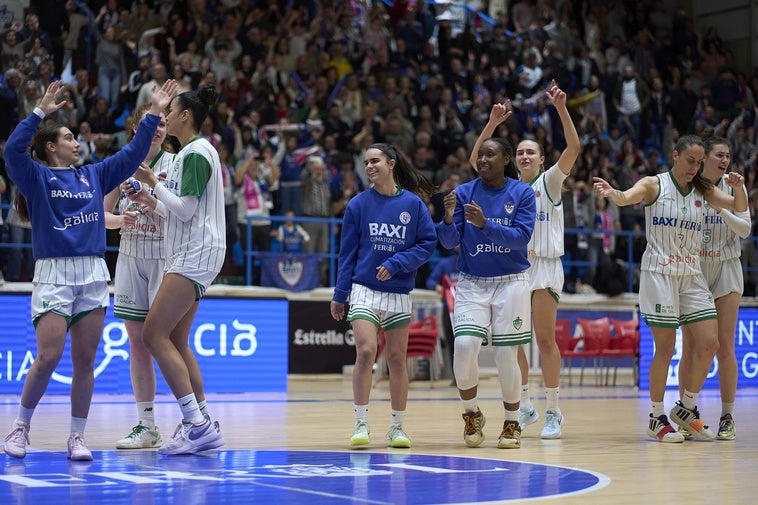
(500, 112)
(573, 147)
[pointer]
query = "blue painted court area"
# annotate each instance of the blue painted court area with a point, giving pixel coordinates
(282, 477)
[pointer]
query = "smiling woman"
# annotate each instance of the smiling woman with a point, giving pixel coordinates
(70, 291)
(673, 289)
(387, 234)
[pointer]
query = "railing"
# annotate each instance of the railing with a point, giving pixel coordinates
(252, 257)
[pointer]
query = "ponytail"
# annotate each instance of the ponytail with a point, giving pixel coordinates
(406, 176)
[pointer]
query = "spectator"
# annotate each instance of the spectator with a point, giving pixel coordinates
(291, 236)
(254, 201)
(630, 98)
(317, 203)
(9, 101)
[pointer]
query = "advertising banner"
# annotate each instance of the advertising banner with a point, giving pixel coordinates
(744, 346)
(318, 343)
(240, 344)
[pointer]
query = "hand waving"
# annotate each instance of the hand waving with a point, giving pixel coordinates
(48, 103)
(160, 98)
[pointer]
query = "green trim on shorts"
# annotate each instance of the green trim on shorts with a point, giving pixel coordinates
(397, 320)
(471, 330)
(36, 318)
(199, 290)
(511, 339)
(129, 314)
(701, 315)
(365, 314)
(556, 296)
(78, 317)
(655, 321)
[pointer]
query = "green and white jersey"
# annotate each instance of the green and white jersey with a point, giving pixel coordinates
(547, 238)
(674, 229)
(719, 241)
(199, 244)
(145, 238)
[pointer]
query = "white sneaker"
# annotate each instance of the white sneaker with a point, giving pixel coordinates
(17, 440)
(397, 438)
(191, 438)
(360, 434)
(214, 443)
(553, 423)
(141, 437)
(77, 448)
(527, 416)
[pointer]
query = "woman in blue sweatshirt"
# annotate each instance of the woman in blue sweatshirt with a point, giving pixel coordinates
(387, 234)
(70, 293)
(492, 219)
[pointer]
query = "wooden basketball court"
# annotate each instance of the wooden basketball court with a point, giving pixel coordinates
(604, 433)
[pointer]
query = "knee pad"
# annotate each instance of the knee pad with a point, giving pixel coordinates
(466, 361)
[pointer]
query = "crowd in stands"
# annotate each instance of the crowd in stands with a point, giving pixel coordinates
(307, 85)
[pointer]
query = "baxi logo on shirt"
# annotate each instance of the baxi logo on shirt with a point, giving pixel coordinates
(385, 236)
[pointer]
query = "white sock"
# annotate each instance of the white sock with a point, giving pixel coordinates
(146, 414)
(551, 394)
(727, 408)
(361, 412)
(689, 399)
(24, 414)
(658, 409)
(203, 405)
(397, 417)
(190, 409)
(511, 415)
(471, 405)
(78, 424)
(526, 400)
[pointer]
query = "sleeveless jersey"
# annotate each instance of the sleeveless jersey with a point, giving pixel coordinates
(719, 241)
(547, 239)
(145, 238)
(674, 229)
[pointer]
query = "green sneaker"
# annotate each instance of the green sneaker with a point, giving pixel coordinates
(360, 434)
(397, 438)
(727, 431)
(141, 437)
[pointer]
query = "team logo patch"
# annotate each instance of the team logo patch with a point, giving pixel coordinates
(290, 270)
(405, 217)
(684, 209)
(698, 203)
(83, 179)
(509, 207)
(537, 194)
(517, 323)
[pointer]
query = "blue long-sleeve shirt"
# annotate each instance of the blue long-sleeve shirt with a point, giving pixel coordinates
(396, 232)
(445, 266)
(66, 204)
(500, 248)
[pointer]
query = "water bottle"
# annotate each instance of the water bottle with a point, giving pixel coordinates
(136, 185)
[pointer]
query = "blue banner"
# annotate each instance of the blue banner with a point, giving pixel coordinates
(240, 343)
(293, 272)
(744, 346)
